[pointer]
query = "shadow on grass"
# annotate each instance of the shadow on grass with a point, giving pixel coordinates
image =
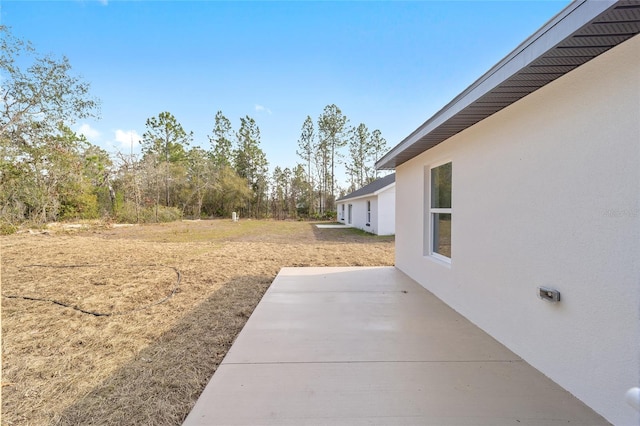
(348, 235)
(163, 382)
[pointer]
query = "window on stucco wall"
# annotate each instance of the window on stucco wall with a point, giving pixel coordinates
(368, 212)
(440, 213)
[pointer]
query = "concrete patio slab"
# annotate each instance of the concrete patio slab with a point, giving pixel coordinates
(358, 324)
(370, 346)
(331, 226)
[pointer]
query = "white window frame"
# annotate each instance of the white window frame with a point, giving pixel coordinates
(342, 215)
(434, 210)
(368, 212)
(350, 214)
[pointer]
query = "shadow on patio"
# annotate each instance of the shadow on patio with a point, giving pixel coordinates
(160, 385)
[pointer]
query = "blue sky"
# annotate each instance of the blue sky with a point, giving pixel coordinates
(390, 65)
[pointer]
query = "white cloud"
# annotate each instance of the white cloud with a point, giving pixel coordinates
(127, 138)
(104, 2)
(89, 132)
(261, 108)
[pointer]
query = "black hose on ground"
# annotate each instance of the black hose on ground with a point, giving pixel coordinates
(99, 314)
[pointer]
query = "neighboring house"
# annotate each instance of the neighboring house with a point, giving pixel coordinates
(531, 178)
(371, 208)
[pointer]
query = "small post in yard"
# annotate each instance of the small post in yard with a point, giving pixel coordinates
(234, 216)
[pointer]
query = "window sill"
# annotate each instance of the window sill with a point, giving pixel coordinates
(441, 260)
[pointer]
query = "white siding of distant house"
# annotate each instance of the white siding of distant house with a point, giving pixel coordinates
(382, 212)
(359, 212)
(546, 193)
(386, 218)
(343, 217)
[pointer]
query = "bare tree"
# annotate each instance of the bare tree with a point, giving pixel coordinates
(331, 128)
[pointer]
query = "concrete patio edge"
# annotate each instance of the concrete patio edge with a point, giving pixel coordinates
(368, 345)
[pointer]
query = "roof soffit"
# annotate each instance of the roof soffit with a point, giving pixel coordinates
(576, 35)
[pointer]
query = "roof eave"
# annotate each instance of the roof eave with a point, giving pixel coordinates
(369, 195)
(567, 22)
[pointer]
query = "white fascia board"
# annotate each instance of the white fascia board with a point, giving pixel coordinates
(561, 26)
(369, 195)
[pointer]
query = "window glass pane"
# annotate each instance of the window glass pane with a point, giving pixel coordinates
(441, 186)
(442, 234)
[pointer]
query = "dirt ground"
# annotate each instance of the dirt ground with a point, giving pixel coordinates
(128, 324)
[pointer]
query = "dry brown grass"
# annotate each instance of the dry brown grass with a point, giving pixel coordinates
(146, 366)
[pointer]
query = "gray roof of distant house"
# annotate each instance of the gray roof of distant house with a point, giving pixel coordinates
(579, 33)
(372, 188)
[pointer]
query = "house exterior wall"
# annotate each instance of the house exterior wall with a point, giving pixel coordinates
(546, 193)
(340, 213)
(359, 211)
(386, 218)
(343, 218)
(382, 212)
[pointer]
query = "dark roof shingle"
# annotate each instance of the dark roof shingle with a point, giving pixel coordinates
(370, 189)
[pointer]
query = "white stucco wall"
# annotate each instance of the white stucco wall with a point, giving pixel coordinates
(341, 217)
(386, 218)
(547, 193)
(359, 212)
(382, 212)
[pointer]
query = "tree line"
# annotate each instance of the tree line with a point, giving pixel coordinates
(50, 173)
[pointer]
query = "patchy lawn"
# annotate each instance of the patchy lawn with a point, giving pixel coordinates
(128, 324)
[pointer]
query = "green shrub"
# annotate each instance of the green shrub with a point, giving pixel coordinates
(82, 205)
(330, 215)
(166, 214)
(125, 212)
(7, 228)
